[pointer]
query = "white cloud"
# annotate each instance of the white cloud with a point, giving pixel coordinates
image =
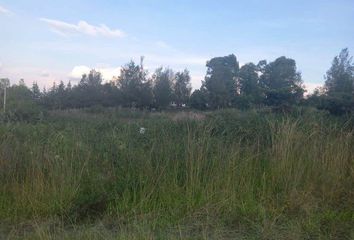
(78, 71)
(5, 11)
(44, 73)
(108, 73)
(82, 27)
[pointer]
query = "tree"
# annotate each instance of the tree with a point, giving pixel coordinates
(48, 97)
(146, 97)
(262, 65)
(21, 82)
(162, 87)
(53, 89)
(89, 90)
(339, 85)
(282, 82)
(182, 87)
(21, 105)
(68, 86)
(250, 89)
(135, 88)
(340, 77)
(93, 79)
(111, 95)
(4, 82)
(221, 80)
(36, 93)
(61, 96)
(199, 99)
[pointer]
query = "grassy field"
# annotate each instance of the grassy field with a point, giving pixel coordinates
(218, 175)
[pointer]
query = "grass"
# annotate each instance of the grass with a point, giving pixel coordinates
(221, 175)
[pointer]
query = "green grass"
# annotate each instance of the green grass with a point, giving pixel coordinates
(220, 175)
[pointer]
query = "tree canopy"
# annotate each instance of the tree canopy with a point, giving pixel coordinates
(162, 86)
(182, 88)
(221, 80)
(340, 77)
(281, 82)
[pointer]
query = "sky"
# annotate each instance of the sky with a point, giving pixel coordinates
(49, 41)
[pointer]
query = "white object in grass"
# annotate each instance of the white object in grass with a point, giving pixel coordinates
(142, 130)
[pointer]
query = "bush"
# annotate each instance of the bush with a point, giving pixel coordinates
(21, 106)
(27, 111)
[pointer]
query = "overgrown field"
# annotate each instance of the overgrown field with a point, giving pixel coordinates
(219, 175)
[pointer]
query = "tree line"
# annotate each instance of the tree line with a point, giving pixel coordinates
(276, 84)
(132, 88)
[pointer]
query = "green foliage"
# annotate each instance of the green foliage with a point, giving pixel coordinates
(281, 82)
(337, 104)
(88, 92)
(163, 82)
(340, 77)
(182, 88)
(93, 79)
(251, 92)
(244, 102)
(21, 106)
(135, 87)
(220, 80)
(249, 80)
(338, 94)
(277, 84)
(36, 92)
(111, 95)
(199, 99)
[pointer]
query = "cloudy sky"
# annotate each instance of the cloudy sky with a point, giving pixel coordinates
(47, 41)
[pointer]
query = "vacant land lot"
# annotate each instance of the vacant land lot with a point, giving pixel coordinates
(119, 174)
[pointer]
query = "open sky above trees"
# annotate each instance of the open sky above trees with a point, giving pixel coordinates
(59, 40)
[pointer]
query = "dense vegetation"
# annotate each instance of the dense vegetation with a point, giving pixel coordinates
(246, 156)
(94, 174)
(277, 84)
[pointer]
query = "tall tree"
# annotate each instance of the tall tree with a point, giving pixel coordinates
(134, 85)
(182, 87)
(249, 82)
(61, 96)
(93, 79)
(36, 92)
(282, 82)
(68, 86)
(250, 92)
(221, 80)
(88, 92)
(339, 86)
(111, 95)
(162, 82)
(340, 77)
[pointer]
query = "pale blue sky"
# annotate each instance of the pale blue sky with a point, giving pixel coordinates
(48, 41)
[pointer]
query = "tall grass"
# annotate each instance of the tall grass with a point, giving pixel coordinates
(232, 174)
